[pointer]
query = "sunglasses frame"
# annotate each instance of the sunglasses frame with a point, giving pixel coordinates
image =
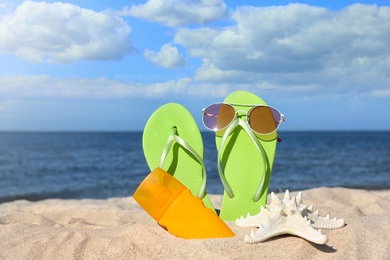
(247, 115)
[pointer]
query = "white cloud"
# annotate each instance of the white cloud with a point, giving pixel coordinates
(49, 89)
(296, 45)
(178, 12)
(212, 73)
(63, 33)
(381, 93)
(45, 87)
(168, 57)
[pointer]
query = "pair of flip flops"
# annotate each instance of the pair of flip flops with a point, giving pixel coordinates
(172, 141)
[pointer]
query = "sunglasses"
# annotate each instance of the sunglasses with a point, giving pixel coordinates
(263, 120)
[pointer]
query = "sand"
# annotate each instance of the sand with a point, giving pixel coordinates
(119, 228)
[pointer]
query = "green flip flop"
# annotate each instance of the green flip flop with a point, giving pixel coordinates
(245, 161)
(172, 141)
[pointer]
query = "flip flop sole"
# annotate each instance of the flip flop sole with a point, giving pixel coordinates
(243, 165)
(179, 162)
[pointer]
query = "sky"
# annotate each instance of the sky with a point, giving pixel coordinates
(83, 65)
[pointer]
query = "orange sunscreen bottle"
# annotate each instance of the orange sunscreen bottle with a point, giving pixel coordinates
(173, 206)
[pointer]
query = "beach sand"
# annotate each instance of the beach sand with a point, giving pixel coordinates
(119, 228)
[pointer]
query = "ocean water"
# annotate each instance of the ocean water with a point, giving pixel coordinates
(37, 166)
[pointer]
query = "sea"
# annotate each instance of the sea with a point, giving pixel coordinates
(99, 165)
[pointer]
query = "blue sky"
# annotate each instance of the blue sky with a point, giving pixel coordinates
(107, 65)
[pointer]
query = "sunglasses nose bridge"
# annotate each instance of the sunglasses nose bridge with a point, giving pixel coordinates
(241, 113)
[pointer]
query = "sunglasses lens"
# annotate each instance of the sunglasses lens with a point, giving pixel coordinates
(218, 116)
(264, 120)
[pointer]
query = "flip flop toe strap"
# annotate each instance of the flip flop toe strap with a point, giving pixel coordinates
(228, 131)
(175, 138)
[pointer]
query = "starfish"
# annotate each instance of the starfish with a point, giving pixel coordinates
(288, 216)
